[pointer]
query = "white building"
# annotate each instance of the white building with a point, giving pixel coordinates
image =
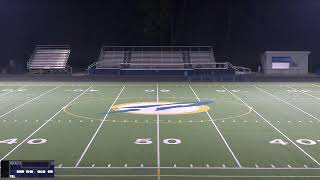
(285, 62)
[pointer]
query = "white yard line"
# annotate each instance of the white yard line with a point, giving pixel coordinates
(288, 103)
(312, 158)
(158, 132)
(43, 124)
(95, 134)
(222, 137)
(28, 102)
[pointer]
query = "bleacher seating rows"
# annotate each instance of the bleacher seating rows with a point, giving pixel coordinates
(111, 59)
(154, 59)
(49, 57)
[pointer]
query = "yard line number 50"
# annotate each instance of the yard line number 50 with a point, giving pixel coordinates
(170, 141)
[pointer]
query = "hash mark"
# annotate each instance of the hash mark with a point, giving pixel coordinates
(109, 165)
(126, 165)
(174, 165)
(141, 165)
(223, 165)
(305, 166)
(207, 165)
(92, 165)
(191, 165)
(272, 166)
(289, 166)
(60, 165)
(256, 165)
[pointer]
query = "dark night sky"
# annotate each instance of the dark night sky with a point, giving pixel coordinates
(239, 30)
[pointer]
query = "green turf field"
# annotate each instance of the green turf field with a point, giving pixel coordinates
(195, 131)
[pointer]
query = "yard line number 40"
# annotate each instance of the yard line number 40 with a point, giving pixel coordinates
(307, 142)
(31, 141)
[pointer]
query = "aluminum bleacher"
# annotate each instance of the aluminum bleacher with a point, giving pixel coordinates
(159, 58)
(50, 58)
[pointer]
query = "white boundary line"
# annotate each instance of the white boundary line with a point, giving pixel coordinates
(79, 85)
(182, 175)
(105, 175)
(312, 158)
(158, 132)
(95, 134)
(222, 137)
(28, 101)
(196, 168)
(43, 124)
(287, 103)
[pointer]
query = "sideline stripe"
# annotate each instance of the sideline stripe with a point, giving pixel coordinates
(105, 175)
(158, 138)
(95, 134)
(182, 175)
(44, 124)
(78, 85)
(312, 158)
(189, 168)
(222, 137)
(28, 101)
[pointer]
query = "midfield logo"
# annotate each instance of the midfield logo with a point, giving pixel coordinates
(162, 108)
